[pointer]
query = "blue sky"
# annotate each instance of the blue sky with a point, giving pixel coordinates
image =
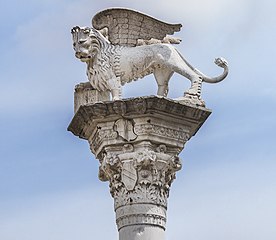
(48, 179)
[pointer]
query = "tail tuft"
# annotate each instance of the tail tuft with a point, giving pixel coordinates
(221, 62)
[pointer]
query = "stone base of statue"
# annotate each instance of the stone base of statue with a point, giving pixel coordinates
(137, 142)
(85, 94)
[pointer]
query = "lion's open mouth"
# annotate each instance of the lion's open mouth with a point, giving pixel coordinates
(83, 57)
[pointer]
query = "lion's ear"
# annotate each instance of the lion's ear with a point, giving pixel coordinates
(126, 26)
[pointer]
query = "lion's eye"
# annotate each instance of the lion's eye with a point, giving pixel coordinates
(81, 41)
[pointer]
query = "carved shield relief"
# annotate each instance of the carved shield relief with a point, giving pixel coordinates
(125, 129)
(129, 175)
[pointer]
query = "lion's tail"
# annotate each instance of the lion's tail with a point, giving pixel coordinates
(218, 61)
(221, 63)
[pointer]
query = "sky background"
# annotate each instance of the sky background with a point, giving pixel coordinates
(49, 188)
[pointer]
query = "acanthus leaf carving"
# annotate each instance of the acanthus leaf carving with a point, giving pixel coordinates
(140, 174)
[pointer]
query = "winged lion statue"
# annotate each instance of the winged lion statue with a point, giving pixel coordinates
(124, 45)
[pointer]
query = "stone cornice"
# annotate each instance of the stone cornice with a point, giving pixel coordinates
(91, 114)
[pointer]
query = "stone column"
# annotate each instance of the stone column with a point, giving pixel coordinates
(137, 142)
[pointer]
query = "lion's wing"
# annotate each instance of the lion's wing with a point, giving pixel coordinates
(126, 26)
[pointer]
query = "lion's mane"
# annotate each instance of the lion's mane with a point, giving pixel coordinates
(104, 64)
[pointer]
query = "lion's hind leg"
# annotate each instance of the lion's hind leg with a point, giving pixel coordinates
(162, 76)
(182, 67)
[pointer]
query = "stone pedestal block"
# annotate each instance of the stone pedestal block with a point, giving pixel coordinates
(85, 94)
(137, 142)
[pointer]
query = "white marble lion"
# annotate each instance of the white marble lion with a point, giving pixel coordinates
(124, 45)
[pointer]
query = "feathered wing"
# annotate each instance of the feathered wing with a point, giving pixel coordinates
(126, 26)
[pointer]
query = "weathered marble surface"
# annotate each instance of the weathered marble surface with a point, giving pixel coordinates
(124, 45)
(85, 94)
(137, 142)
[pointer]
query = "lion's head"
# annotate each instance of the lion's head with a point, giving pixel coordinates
(93, 48)
(85, 43)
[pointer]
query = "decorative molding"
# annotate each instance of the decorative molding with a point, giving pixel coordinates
(119, 107)
(100, 136)
(140, 105)
(149, 128)
(182, 114)
(141, 209)
(141, 219)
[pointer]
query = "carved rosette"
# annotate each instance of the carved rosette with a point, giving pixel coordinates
(140, 175)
